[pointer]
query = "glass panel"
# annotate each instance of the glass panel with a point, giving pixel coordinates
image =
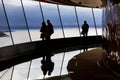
(69, 21)
(17, 21)
(85, 14)
(98, 20)
(5, 38)
(34, 18)
(50, 12)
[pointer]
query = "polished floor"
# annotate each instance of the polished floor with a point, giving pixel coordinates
(88, 66)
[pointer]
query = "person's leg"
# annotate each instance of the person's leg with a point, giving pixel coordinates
(48, 37)
(87, 34)
(84, 34)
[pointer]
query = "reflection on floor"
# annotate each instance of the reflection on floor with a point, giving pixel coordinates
(35, 68)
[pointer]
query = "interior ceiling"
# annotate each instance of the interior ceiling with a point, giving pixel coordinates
(85, 3)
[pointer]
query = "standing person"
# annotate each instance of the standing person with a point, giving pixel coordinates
(85, 28)
(44, 31)
(50, 29)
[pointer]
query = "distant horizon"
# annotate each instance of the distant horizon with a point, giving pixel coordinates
(55, 27)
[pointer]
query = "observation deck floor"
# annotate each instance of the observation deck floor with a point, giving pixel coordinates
(88, 66)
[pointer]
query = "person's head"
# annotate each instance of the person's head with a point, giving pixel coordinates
(43, 23)
(85, 22)
(48, 21)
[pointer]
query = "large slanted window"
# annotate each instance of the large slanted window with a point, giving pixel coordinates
(5, 38)
(34, 18)
(17, 21)
(98, 20)
(50, 12)
(65, 20)
(69, 21)
(85, 14)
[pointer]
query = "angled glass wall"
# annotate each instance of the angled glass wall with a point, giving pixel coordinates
(5, 37)
(50, 12)
(86, 14)
(34, 18)
(98, 20)
(32, 70)
(69, 21)
(17, 21)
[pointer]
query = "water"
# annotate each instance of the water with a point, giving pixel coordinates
(22, 36)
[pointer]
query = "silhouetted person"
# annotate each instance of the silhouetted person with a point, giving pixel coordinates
(85, 28)
(44, 31)
(50, 29)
